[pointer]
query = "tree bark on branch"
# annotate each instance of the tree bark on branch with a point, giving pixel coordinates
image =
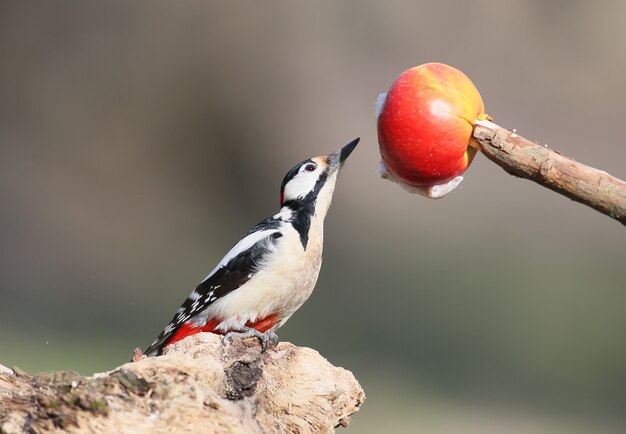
(198, 386)
(526, 159)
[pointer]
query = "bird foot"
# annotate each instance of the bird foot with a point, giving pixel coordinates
(266, 339)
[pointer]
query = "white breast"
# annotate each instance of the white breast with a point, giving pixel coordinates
(285, 283)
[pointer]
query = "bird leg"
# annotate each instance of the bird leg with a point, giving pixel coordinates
(265, 339)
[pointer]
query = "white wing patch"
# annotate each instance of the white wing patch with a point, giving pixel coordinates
(242, 245)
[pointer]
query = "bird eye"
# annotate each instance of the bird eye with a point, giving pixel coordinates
(310, 167)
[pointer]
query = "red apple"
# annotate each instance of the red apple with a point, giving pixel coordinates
(424, 128)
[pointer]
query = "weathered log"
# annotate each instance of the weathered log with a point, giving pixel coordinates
(199, 385)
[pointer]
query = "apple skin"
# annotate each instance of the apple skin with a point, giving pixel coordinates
(424, 128)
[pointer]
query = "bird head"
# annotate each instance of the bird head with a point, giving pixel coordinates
(312, 178)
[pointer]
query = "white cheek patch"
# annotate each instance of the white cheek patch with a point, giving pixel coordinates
(301, 185)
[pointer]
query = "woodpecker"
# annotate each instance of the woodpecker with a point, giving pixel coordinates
(271, 271)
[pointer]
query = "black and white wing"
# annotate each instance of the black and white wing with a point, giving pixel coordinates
(234, 270)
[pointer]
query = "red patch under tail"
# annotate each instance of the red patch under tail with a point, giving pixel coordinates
(264, 324)
(188, 329)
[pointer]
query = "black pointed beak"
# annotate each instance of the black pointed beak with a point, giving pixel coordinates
(337, 159)
(347, 150)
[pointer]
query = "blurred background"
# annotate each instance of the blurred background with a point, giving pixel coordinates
(140, 140)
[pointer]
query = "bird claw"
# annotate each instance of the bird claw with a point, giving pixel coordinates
(266, 339)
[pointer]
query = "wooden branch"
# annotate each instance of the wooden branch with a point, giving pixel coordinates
(526, 159)
(198, 386)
